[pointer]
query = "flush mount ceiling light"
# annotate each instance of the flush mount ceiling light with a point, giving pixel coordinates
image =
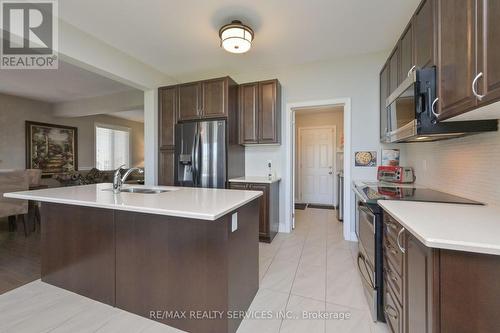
(236, 37)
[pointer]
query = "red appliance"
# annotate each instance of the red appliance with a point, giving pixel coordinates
(395, 174)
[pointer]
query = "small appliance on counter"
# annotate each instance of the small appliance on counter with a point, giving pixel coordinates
(395, 174)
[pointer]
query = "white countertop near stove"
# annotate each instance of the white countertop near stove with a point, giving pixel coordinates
(255, 179)
(188, 202)
(467, 228)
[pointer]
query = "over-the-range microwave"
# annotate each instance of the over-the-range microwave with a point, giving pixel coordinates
(410, 115)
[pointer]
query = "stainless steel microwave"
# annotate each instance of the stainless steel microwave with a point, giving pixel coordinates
(410, 112)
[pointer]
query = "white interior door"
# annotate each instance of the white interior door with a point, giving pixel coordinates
(316, 163)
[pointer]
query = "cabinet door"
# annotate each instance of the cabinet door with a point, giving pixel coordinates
(418, 281)
(167, 117)
(456, 57)
(406, 53)
(394, 70)
(248, 113)
(264, 209)
(269, 112)
(384, 93)
(189, 101)
(214, 98)
(166, 167)
(488, 50)
(424, 34)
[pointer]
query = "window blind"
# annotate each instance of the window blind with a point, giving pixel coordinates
(112, 147)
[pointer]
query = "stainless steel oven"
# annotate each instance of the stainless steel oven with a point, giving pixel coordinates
(368, 226)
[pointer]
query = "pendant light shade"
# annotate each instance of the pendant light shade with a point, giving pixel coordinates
(236, 37)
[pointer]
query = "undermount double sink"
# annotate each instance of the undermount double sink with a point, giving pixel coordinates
(141, 190)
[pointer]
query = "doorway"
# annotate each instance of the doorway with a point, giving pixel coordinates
(342, 147)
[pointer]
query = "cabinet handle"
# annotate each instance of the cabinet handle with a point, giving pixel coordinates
(398, 240)
(433, 107)
(474, 82)
(411, 70)
(387, 312)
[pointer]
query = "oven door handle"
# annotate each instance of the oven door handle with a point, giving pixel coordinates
(368, 212)
(367, 281)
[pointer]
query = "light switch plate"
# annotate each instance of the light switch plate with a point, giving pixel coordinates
(234, 222)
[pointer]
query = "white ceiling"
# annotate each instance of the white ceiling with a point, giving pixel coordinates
(134, 115)
(181, 37)
(68, 83)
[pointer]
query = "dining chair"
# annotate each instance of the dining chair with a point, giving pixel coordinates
(13, 181)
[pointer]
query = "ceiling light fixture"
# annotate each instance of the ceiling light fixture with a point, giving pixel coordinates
(236, 37)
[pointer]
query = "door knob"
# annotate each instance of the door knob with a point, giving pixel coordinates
(330, 173)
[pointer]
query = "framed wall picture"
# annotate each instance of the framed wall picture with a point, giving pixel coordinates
(365, 159)
(51, 148)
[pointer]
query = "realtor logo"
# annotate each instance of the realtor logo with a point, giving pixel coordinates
(29, 34)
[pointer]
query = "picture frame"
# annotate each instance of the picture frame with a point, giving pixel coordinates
(365, 159)
(52, 148)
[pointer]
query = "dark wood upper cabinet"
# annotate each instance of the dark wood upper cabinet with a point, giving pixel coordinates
(167, 116)
(384, 93)
(260, 112)
(269, 112)
(214, 98)
(394, 70)
(248, 104)
(424, 34)
(406, 53)
(488, 50)
(456, 57)
(189, 101)
(207, 99)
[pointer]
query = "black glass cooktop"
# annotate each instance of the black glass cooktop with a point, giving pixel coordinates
(372, 192)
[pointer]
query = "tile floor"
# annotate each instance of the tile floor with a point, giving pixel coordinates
(311, 269)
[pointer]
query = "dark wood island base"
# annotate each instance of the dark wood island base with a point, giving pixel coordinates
(195, 275)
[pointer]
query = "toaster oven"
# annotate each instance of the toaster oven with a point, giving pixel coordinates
(395, 174)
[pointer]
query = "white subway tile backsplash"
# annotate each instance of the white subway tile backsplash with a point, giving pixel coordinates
(468, 166)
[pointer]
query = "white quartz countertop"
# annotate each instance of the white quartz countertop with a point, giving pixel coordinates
(255, 179)
(196, 203)
(467, 228)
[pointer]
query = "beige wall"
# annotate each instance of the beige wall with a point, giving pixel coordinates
(331, 116)
(14, 111)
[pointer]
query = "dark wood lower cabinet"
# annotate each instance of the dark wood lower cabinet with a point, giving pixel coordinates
(443, 290)
(269, 207)
(194, 275)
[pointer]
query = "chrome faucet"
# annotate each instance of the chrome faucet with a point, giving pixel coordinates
(118, 180)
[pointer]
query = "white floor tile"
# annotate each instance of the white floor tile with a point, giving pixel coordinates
(310, 271)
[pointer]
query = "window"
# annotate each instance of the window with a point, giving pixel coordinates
(112, 147)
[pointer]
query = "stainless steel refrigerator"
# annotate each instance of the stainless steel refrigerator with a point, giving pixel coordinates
(202, 152)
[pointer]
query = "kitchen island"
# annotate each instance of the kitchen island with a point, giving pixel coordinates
(186, 257)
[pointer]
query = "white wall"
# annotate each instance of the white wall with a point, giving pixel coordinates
(356, 77)
(464, 166)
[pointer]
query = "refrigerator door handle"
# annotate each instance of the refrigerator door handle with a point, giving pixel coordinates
(194, 158)
(197, 154)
